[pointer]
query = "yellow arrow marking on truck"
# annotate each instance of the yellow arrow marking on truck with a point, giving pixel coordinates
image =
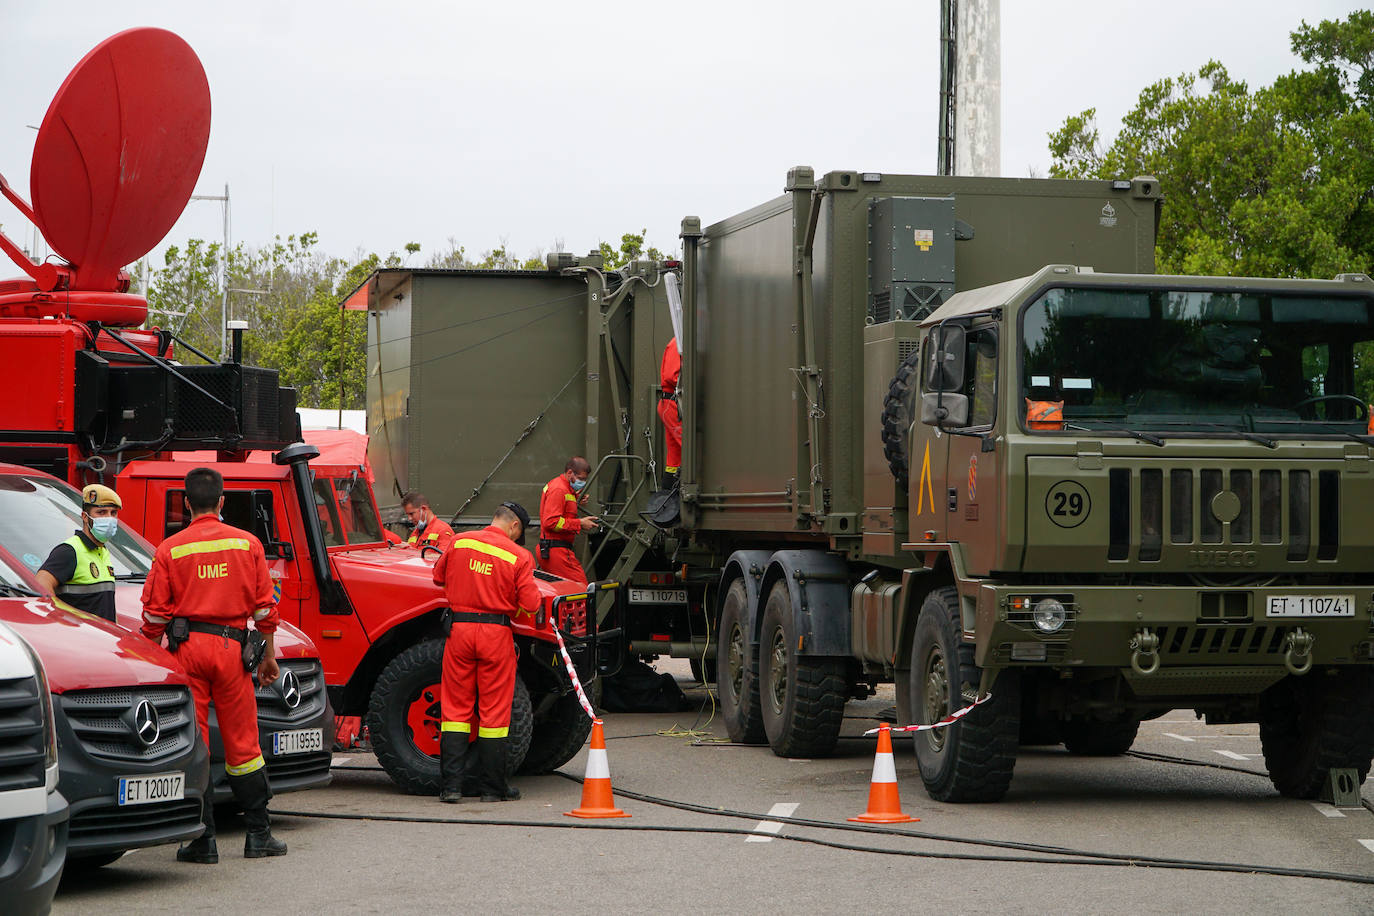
(924, 486)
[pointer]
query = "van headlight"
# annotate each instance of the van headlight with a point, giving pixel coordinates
(1049, 615)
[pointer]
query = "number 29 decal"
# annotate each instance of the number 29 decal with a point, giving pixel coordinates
(1067, 504)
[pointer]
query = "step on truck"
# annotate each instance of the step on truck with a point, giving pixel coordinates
(92, 394)
(946, 433)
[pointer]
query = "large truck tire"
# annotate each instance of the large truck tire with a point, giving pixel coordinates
(971, 760)
(560, 730)
(899, 412)
(403, 719)
(736, 671)
(1313, 724)
(1090, 738)
(801, 697)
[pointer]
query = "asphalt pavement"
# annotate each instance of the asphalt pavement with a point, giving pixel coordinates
(1073, 835)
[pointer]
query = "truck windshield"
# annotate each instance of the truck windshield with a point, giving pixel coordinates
(37, 514)
(1197, 361)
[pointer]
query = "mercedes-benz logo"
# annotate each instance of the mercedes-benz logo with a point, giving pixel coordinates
(290, 688)
(146, 724)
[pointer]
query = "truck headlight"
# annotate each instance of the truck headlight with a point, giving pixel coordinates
(1049, 615)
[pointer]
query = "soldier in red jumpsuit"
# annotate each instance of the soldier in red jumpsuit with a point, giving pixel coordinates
(430, 529)
(215, 577)
(488, 578)
(669, 372)
(559, 524)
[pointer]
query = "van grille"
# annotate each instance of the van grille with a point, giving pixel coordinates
(1176, 507)
(101, 721)
(22, 751)
(273, 708)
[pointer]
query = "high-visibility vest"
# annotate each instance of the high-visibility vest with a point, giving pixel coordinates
(1044, 414)
(93, 572)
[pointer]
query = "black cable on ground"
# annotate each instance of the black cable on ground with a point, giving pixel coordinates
(1063, 855)
(1120, 862)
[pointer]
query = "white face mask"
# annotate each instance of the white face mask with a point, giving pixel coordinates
(102, 529)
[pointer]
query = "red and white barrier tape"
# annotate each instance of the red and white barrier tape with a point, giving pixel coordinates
(947, 720)
(572, 673)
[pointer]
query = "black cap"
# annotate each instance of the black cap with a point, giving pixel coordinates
(521, 514)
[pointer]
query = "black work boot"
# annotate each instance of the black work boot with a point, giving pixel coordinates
(202, 849)
(491, 771)
(454, 763)
(252, 792)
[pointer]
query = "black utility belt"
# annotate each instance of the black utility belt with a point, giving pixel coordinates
(547, 543)
(479, 617)
(237, 634)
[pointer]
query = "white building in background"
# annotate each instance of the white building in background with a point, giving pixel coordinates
(320, 418)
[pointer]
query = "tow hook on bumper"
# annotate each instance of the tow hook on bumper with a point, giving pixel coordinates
(1144, 648)
(1297, 651)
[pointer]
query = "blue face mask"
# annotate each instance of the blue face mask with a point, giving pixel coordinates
(577, 484)
(102, 529)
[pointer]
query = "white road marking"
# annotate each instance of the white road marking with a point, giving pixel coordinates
(339, 760)
(1327, 810)
(1179, 737)
(1234, 756)
(770, 829)
(1368, 844)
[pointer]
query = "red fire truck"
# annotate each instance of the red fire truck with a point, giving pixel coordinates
(92, 396)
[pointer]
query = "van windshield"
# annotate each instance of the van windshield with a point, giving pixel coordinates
(37, 514)
(1197, 361)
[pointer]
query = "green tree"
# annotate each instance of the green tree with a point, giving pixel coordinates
(1270, 182)
(631, 249)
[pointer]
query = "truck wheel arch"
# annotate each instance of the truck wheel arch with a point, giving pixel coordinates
(355, 696)
(749, 567)
(819, 585)
(917, 582)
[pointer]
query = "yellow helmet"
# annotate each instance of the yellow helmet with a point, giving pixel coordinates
(95, 494)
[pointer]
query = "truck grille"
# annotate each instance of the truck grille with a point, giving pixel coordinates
(273, 707)
(1272, 507)
(1180, 643)
(102, 722)
(21, 734)
(298, 767)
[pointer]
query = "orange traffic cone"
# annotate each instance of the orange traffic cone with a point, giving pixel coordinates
(884, 806)
(596, 786)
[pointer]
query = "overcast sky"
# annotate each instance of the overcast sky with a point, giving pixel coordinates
(537, 122)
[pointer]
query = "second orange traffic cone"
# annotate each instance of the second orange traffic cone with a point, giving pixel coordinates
(884, 806)
(596, 786)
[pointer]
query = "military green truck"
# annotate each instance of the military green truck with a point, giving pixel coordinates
(947, 433)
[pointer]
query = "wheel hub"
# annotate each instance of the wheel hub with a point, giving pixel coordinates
(735, 662)
(423, 719)
(777, 673)
(936, 705)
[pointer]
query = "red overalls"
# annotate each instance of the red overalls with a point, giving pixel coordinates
(214, 573)
(669, 373)
(558, 527)
(484, 575)
(437, 533)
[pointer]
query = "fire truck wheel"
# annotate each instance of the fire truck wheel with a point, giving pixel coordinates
(561, 728)
(1313, 724)
(801, 697)
(403, 719)
(899, 412)
(736, 671)
(1091, 738)
(971, 760)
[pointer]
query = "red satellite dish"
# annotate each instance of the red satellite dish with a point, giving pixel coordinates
(119, 152)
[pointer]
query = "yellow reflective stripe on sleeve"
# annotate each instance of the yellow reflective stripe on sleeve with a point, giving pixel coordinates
(243, 769)
(490, 550)
(464, 727)
(182, 550)
(154, 618)
(560, 523)
(569, 498)
(261, 613)
(484, 732)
